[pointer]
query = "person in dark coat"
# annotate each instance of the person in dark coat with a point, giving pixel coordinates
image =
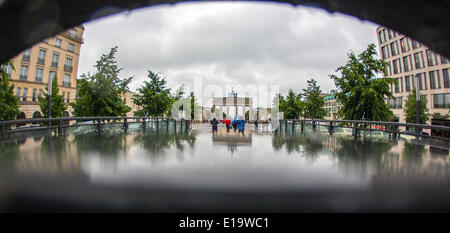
(214, 124)
(256, 125)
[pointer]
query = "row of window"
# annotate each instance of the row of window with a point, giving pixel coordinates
(41, 59)
(432, 80)
(58, 43)
(419, 60)
(23, 95)
(39, 73)
(439, 101)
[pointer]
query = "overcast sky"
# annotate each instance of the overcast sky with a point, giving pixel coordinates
(228, 43)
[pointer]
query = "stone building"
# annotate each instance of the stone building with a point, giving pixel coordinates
(58, 56)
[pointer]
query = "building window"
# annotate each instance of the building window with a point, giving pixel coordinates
(395, 103)
(34, 96)
(419, 79)
(7, 68)
(18, 93)
(446, 78)
(58, 42)
(394, 48)
(397, 86)
(24, 97)
(40, 92)
(444, 60)
(387, 69)
(66, 81)
(70, 47)
(407, 83)
(407, 63)
(430, 58)
(382, 36)
(404, 45)
(41, 57)
(68, 97)
(63, 95)
(415, 44)
(23, 72)
(26, 55)
(55, 60)
(432, 80)
(39, 72)
(397, 66)
(73, 33)
(51, 75)
(441, 100)
(418, 59)
(385, 52)
(69, 61)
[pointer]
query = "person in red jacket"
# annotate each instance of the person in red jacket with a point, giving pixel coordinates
(228, 125)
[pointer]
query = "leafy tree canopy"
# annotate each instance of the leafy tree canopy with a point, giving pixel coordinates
(359, 91)
(100, 94)
(313, 105)
(58, 105)
(410, 109)
(153, 97)
(9, 104)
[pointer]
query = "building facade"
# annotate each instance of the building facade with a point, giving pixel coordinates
(128, 98)
(57, 56)
(408, 60)
(332, 106)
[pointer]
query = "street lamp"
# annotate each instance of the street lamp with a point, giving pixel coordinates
(417, 102)
(49, 99)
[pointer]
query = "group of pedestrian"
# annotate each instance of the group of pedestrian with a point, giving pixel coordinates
(238, 124)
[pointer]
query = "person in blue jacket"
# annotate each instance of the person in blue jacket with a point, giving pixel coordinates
(240, 124)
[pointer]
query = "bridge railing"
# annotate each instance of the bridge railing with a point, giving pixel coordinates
(394, 128)
(58, 124)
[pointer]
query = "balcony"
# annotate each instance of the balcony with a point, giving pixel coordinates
(23, 77)
(28, 100)
(26, 58)
(68, 68)
(74, 38)
(66, 84)
(55, 64)
(40, 61)
(38, 79)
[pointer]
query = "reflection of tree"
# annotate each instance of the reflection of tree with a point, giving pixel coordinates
(310, 146)
(55, 146)
(412, 152)
(10, 153)
(107, 144)
(156, 144)
(358, 150)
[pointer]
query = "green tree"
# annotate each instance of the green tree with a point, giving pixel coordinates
(313, 105)
(58, 105)
(359, 91)
(153, 97)
(9, 104)
(293, 106)
(100, 94)
(410, 109)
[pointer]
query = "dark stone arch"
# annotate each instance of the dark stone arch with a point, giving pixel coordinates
(21, 115)
(28, 22)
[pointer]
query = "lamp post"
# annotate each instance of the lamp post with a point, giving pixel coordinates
(49, 99)
(417, 102)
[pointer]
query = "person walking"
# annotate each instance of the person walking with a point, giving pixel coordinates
(256, 125)
(234, 124)
(228, 125)
(240, 123)
(214, 124)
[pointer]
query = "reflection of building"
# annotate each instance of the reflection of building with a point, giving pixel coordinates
(54, 56)
(232, 140)
(332, 105)
(407, 60)
(240, 105)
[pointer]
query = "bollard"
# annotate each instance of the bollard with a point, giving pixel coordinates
(157, 124)
(313, 123)
(60, 127)
(175, 126)
(99, 126)
(125, 125)
(293, 127)
(331, 128)
(302, 126)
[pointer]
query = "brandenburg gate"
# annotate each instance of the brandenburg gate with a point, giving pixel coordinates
(235, 102)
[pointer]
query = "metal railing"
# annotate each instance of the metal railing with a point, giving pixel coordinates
(59, 124)
(393, 128)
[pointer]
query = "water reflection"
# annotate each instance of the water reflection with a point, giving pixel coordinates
(310, 162)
